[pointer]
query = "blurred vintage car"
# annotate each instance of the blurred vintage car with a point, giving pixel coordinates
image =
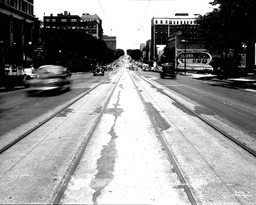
(99, 70)
(51, 77)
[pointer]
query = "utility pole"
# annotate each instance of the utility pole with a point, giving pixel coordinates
(185, 48)
(185, 57)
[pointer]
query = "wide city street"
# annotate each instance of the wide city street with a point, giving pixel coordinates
(129, 137)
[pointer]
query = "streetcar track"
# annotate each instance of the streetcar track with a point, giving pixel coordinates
(177, 170)
(77, 158)
(222, 132)
(83, 146)
(26, 133)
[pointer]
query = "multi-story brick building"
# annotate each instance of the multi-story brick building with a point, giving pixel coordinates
(110, 41)
(19, 30)
(162, 28)
(62, 21)
(90, 24)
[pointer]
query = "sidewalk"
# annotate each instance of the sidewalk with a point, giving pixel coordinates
(244, 82)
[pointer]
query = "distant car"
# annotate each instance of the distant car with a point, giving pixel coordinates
(51, 77)
(146, 68)
(168, 69)
(105, 68)
(110, 68)
(99, 71)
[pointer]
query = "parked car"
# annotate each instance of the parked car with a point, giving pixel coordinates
(146, 68)
(99, 71)
(13, 75)
(51, 77)
(110, 68)
(105, 68)
(31, 72)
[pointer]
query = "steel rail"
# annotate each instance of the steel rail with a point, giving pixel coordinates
(181, 178)
(81, 150)
(9, 145)
(225, 134)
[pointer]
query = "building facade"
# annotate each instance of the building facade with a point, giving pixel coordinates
(19, 30)
(90, 24)
(142, 46)
(162, 28)
(110, 41)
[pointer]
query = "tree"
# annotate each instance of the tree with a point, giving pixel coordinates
(75, 49)
(231, 24)
(119, 52)
(136, 54)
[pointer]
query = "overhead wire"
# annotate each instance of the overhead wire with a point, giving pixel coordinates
(105, 15)
(144, 14)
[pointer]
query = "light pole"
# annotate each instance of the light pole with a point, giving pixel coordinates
(185, 63)
(27, 52)
(185, 54)
(243, 60)
(60, 57)
(185, 57)
(185, 48)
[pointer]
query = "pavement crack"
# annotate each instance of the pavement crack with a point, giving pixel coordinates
(105, 165)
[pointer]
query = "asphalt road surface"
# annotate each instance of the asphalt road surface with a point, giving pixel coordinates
(17, 108)
(127, 142)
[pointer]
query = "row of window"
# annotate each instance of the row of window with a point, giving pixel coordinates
(175, 22)
(25, 6)
(66, 20)
(160, 38)
(89, 20)
(71, 20)
(86, 27)
(188, 32)
(62, 20)
(72, 27)
(165, 27)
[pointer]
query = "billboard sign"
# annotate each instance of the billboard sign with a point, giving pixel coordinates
(195, 60)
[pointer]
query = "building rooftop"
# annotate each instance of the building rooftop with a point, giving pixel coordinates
(91, 17)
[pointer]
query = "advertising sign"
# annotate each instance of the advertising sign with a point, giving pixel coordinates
(197, 60)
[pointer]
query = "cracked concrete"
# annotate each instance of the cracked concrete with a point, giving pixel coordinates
(106, 164)
(125, 162)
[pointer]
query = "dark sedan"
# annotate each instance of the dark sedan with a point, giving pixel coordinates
(99, 71)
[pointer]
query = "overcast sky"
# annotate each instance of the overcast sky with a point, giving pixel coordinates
(128, 20)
